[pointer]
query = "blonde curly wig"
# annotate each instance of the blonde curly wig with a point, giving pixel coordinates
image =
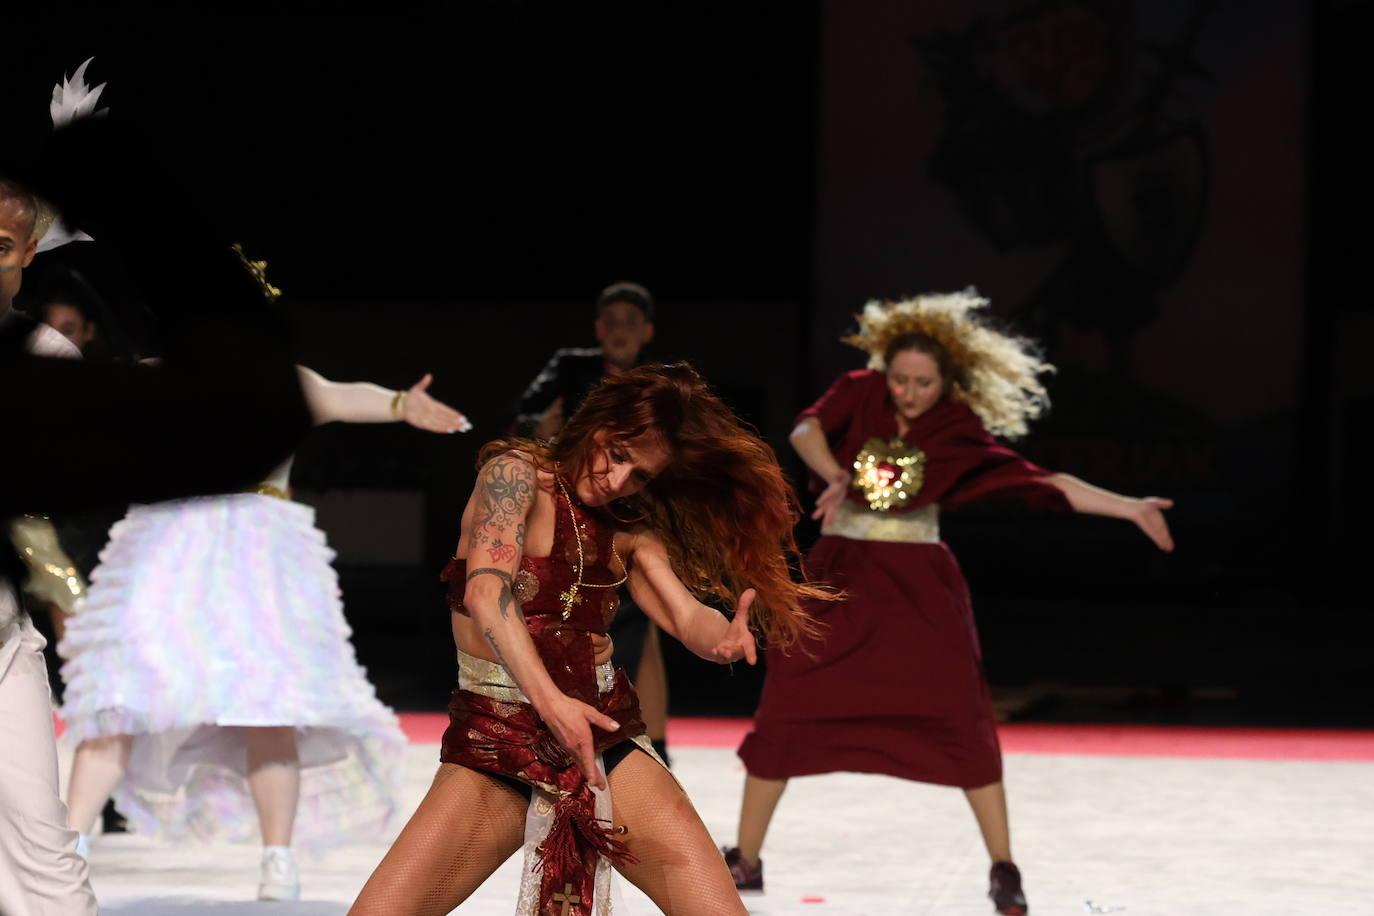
(997, 375)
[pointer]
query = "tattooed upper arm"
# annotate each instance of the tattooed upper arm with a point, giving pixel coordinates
(505, 494)
(505, 600)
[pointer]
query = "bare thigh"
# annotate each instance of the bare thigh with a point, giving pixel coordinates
(466, 826)
(679, 866)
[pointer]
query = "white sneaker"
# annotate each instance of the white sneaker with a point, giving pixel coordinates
(280, 879)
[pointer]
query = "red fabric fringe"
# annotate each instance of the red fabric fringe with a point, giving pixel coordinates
(577, 837)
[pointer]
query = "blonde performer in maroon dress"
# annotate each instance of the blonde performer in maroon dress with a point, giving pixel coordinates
(895, 684)
(653, 481)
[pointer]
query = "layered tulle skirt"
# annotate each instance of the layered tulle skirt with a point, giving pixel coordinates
(207, 615)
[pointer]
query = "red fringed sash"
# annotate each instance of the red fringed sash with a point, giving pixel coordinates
(511, 740)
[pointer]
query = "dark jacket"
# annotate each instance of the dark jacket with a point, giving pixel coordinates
(571, 374)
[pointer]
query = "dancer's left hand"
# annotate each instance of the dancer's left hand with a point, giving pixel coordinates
(739, 641)
(424, 412)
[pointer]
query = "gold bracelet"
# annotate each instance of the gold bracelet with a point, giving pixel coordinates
(398, 403)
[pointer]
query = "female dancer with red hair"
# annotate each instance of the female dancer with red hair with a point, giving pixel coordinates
(653, 481)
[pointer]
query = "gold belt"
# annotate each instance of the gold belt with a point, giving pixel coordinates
(493, 680)
(919, 526)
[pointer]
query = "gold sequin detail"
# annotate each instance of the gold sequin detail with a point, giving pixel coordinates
(610, 603)
(888, 474)
(589, 551)
(525, 586)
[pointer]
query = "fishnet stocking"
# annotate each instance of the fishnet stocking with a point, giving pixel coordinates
(679, 866)
(466, 826)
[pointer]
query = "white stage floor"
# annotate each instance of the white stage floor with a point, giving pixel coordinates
(1143, 836)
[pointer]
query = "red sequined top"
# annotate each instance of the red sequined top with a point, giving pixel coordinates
(540, 582)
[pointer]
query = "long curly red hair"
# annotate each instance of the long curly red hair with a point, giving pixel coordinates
(722, 505)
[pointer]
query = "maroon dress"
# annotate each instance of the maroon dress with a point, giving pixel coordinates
(895, 683)
(509, 739)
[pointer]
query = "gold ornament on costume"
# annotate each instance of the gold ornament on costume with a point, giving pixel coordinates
(53, 576)
(525, 586)
(888, 474)
(259, 271)
(272, 490)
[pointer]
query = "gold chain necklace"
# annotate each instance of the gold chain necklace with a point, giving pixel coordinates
(571, 596)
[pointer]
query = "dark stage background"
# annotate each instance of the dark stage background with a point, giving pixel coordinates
(1170, 195)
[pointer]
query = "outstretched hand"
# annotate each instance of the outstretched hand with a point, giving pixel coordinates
(739, 641)
(1149, 517)
(831, 498)
(424, 412)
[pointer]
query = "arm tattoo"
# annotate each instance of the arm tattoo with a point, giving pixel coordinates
(506, 598)
(496, 647)
(501, 552)
(489, 571)
(504, 497)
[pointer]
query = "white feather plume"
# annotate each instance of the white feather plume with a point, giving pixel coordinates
(73, 99)
(58, 235)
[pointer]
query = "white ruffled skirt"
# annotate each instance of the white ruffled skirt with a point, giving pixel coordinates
(205, 614)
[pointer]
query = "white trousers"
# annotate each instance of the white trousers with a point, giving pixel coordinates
(40, 872)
